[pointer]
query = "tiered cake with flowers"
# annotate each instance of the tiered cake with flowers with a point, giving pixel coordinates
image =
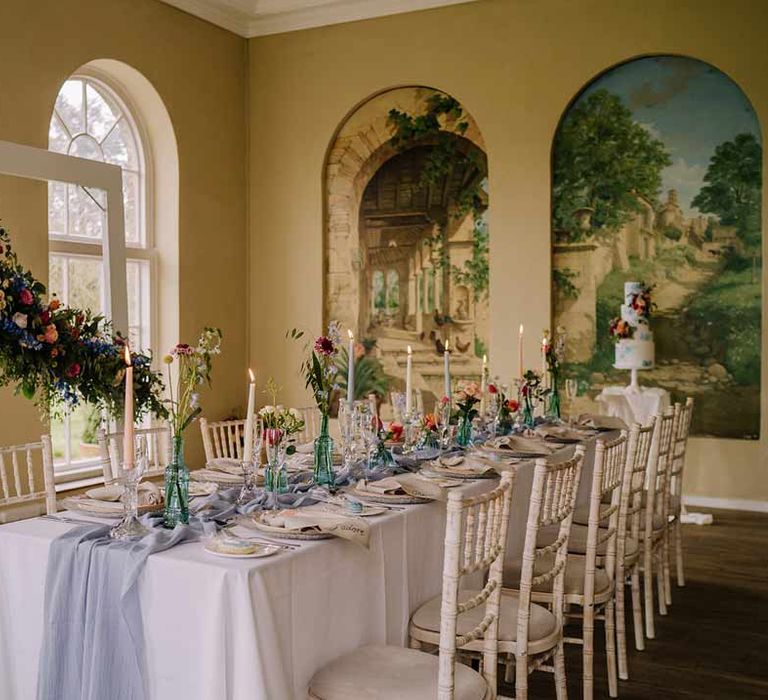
(634, 338)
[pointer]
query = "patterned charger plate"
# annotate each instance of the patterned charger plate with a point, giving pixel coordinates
(104, 509)
(450, 474)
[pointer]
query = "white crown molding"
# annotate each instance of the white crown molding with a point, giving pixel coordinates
(726, 503)
(252, 18)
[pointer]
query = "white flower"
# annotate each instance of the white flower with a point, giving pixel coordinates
(266, 410)
(296, 413)
(20, 319)
(280, 408)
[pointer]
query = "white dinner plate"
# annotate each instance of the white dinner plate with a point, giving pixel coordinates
(264, 550)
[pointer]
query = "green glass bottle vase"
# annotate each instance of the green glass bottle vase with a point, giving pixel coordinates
(323, 472)
(176, 487)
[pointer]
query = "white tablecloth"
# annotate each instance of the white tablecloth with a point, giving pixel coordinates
(633, 407)
(253, 629)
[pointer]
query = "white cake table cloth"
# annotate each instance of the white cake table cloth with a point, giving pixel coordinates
(633, 407)
(253, 629)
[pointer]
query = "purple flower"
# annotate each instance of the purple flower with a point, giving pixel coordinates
(324, 346)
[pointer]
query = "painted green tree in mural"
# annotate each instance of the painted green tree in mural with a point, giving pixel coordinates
(733, 187)
(603, 160)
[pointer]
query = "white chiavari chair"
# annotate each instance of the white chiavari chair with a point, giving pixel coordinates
(475, 540)
(158, 444)
(223, 438)
(311, 417)
(680, 445)
(590, 576)
(529, 635)
(628, 541)
(21, 469)
(654, 515)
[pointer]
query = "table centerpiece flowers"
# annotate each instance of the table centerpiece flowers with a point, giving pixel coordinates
(194, 366)
(320, 372)
(554, 354)
(530, 391)
(465, 399)
(280, 423)
(506, 409)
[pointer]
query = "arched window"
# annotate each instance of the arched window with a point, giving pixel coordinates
(378, 296)
(90, 120)
(393, 291)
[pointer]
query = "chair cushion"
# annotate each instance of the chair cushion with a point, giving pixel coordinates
(581, 513)
(574, 575)
(577, 541)
(390, 673)
(543, 631)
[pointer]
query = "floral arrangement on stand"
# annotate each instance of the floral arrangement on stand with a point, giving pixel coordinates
(554, 355)
(320, 371)
(505, 411)
(193, 370)
(61, 357)
(465, 399)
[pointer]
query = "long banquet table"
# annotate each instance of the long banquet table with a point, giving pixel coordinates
(254, 629)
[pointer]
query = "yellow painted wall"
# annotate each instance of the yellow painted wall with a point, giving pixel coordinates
(200, 73)
(515, 65)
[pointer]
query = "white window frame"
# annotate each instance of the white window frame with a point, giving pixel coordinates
(41, 164)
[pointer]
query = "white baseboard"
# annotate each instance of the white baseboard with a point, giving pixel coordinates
(726, 503)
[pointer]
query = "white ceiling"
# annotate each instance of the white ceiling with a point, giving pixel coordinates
(251, 18)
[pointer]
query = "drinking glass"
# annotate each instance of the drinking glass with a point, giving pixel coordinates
(443, 416)
(130, 527)
(251, 463)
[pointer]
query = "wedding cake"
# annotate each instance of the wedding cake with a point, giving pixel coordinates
(634, 339)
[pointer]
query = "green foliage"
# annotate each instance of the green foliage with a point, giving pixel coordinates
(734, 183)
(731, 304)
(673, 233)
(563, 282)
(91, 427)
(602, 160)
(476, 270)
(480, 347)
(438, 127)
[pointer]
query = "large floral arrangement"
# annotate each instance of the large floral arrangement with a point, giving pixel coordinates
(61, 356)
(193, 370)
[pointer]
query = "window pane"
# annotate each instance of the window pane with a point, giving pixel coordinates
(139, 318)
(101, 115)
(74, 438)
(132, 205)
(85, 283)
(57, 208)
(120, 148)
(85, 147)
(69, 105)
(86, 218)
(58, 138)
(56, 276)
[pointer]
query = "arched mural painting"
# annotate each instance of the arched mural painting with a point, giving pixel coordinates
(406, 248)
(657, 177)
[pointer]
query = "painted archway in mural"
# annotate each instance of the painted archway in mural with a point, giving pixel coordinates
(657, 177)
(406, 239)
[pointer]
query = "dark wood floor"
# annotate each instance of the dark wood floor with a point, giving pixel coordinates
(714, 642)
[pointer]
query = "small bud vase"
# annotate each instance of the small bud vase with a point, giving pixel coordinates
(323, 472)
(176, 487)
(464, 431)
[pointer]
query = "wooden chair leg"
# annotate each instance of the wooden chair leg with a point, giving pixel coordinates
(637, 611)
(588, 650)
(610, 648)
(650, 630)
(521, 677)
(509, 669)
(561, 689)
(415, 643)
(679, 551)
(667, 573)
(660, 580)
(621, 628)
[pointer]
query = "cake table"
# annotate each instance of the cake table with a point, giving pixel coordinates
(633, 407)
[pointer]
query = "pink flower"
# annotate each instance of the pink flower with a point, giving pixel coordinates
(445, 400)
(359, 350)
(49, 335)
(26, 297)
(324, 346)
(45, 317)
(472, 390)
(182, 349)
(73, 370)
(273, 435)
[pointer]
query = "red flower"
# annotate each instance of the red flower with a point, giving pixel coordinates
(324, 346)
(492, 389)
(26, 297)
(45, 317)
(512, 405)
(273, 435)
(73, 370)
(445, 400)
(396, 430)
